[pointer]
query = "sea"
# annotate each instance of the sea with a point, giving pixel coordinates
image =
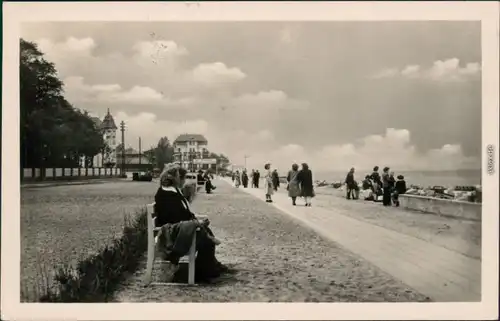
(450, 178)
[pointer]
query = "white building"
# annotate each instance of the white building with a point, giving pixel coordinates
(108, 129)
(191, 152)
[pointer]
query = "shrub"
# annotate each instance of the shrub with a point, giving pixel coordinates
(96, 278)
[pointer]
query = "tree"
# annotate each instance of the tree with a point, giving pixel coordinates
(150, 155)
(53, 132)
(164, 152)
(222, 160)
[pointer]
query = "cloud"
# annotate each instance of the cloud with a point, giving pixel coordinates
(216, 74)
(441, 70)
(150, 128)
(78, 92)
(393, 149)
(386, 73)
(160, 78)
(268, 101)
(158, 57)
(159, 49)
(411, 71)
(147, 126)
(68, 48)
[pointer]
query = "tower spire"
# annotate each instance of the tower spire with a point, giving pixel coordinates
(108, 111)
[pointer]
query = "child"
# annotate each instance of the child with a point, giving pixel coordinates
(399, 189)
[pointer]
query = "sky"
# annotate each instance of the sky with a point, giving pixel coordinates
(333, 94)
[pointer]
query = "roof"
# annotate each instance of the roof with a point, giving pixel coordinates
(108, 122)
(190, 137)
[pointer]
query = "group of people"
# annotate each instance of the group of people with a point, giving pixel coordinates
(206, 180)
(242, 179)
(299, 182)
(377, 185)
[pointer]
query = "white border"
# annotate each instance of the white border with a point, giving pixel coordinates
(15, 13)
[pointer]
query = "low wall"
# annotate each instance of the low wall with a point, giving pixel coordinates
(66, 174)
(444, 207)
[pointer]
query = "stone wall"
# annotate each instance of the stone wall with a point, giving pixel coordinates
(444, 207)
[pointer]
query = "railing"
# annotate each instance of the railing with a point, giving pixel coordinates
(40, 174)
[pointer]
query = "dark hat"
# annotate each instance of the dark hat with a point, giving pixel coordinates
(401, 177)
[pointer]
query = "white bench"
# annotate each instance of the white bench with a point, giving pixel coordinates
(152, 240)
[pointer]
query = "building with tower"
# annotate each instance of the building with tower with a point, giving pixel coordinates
(108, 128)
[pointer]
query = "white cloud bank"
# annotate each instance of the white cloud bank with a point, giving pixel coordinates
(393, 148)
(160, 79)
(78, 92)
(447, 70)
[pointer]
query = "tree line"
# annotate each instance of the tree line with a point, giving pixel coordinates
(53, 132)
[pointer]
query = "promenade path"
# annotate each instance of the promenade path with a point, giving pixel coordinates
(442, 274)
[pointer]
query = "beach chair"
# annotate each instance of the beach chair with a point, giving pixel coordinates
(151, 251)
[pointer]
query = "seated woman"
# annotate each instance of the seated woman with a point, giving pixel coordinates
(399, 189)
(172, 207)
(367, 188)
(208, 183)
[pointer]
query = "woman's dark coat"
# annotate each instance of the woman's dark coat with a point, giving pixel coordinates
(276, 179)
(392, 182)
(375, 176)
(171, 208)
(244, 179)
(400, 187)
(306, 183)
(349, 180)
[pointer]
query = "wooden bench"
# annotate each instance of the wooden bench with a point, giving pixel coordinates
(151, 253)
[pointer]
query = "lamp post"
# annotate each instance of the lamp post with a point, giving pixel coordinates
(122, 129)
(192, 154)
(246, 156)
(140, 154)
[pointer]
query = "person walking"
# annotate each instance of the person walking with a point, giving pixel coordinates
(386, 200)
(269, 183)
(351, 185)
(306, 184)
(257, 178)
(237, 179)
(376, 183)
(244, 178)
(276, 180)
(293, 183)
(252, 178)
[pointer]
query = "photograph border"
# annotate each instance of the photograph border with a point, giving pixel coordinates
(15, 14)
